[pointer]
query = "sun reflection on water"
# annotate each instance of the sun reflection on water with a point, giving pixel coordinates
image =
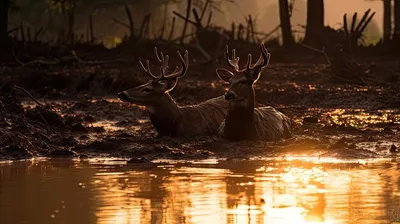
(268, 191)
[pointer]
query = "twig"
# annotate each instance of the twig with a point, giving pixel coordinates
(34, 61)
(120, 23)
(182, 17)
(319, 51)
(95, 62)
(27, 93)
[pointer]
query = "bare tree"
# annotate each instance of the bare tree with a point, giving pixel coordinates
(396, 35)
(315, 23)
(4, 5)
(286, 27)
(387, 20)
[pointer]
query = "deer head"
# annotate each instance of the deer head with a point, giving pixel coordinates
(241, 81)
(152, 91)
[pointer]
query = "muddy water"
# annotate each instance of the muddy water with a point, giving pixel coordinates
(269, 191)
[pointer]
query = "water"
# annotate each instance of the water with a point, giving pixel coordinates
(269, 191)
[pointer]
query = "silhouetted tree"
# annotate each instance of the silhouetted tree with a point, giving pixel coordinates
(315, 23)
(396, 34)
(4, 5)
(286, 27)
(387, 20)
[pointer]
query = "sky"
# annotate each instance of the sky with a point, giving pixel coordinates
(267, 14)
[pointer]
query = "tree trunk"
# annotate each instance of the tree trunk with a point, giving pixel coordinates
(315, 23)
(4, 4)
(287, 35)
(387, 20)
(189, 5)
(396, 35)
(71, 23)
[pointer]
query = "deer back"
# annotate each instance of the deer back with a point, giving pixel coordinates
(202, 119)
(268, 125)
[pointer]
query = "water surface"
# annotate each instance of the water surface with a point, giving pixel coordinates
(269, 191)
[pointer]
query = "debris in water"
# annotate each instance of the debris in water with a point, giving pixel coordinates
(393, 149)
(311, 120)
(139, 160)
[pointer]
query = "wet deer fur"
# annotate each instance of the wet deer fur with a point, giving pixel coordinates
(244, 121)
(165, 114)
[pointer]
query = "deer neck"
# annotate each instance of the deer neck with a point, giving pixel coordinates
(239, 122)
(165, 116)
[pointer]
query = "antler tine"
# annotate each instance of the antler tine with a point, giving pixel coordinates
(162, 72)
(248, 61)
(178, 73)
(147, 69)
(163, 61)
(234, 62)
(263, 60)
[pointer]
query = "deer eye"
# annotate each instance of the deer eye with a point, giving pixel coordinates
(146, 90)
(244, 82)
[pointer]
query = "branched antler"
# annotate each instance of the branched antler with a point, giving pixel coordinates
(234, 62)
(177, 73)
(262, 61)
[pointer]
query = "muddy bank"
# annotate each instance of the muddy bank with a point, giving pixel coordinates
(109, 128)
(81, 117)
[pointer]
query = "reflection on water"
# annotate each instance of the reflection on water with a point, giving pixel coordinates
(273, 191)
(358, 118)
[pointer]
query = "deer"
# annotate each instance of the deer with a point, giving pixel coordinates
(243, 120)
(168, 118)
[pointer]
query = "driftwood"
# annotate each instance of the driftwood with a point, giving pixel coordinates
(344, 68)
(354, 34)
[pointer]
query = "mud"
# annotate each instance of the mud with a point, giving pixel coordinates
(81, 116)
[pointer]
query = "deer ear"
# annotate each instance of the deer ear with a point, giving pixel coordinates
(255, 74)
(224, 74)
(170, 85)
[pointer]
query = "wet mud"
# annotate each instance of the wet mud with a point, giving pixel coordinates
(80, 115)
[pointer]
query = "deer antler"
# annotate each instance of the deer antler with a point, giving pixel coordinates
(234, 62)
(178, 73)
(262, 61)
(147, 68)
(163, 61)
(164, 66)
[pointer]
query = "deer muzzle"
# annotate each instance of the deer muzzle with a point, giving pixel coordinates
(123, 96)
(230, 95)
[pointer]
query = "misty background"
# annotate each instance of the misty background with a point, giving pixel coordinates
(107, 16)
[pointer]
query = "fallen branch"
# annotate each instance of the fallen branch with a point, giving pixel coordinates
(43, 62)
(27, 93)
(319, 51)
(95, 62)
